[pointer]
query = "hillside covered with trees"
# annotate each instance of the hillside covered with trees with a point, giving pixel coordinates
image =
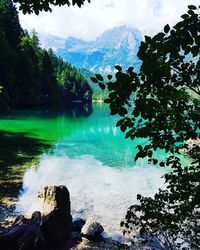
(30, 75)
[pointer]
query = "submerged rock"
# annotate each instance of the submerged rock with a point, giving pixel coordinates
(92, 229)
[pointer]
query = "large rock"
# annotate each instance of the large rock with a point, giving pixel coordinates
(92, 229)
(54, 197)
(57, 220)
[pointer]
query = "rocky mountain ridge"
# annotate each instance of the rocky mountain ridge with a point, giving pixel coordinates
(115, 46)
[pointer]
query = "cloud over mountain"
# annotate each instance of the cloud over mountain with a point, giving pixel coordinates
(88, 22)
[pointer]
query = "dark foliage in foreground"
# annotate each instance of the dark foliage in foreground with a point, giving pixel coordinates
(161, 103)
(36, 6)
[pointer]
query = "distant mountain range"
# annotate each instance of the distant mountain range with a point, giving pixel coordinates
(115, 46)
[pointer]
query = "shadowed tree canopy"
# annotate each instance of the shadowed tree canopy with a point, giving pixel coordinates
(36, 6)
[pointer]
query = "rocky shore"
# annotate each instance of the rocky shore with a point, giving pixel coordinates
(53, 228)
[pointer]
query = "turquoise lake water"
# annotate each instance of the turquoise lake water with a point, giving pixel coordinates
(88, 154)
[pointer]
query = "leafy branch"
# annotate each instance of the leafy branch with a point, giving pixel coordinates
(168, 117)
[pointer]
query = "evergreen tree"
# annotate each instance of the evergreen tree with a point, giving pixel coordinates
(34, 40)
(28, 85)
(49, 87)
(7, 69)
(9, 22)
(29, 74)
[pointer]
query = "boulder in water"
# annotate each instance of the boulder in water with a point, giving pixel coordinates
(92, 229)
(56, 217)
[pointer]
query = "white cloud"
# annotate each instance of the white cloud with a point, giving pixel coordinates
(149, 16)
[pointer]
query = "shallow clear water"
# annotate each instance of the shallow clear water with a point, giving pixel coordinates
(90, 156)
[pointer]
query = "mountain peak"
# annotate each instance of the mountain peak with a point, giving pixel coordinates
(120, 31)
(119, 37)
(118, 45)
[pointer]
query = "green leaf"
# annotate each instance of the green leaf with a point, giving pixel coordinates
(147, 39)
(162, 164)
(192, 7)
(130, 69)
(123, 128)
(185, 16)
(102, 86)
(109, 77)
(140, 120)
(178, 25)
(195, 51)
(113, 111)
(155, 161)
(190, 12)
(108, 100)
(120, 122)
(93, 79)
(99, 77)
(188, 50)
(122, 111)
(118, 67)
(167, 28)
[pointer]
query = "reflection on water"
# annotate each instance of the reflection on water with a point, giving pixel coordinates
(77, 109)
(71, 135)
(72, 110)
(16, 149)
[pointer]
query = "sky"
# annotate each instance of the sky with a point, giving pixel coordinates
(88, 22)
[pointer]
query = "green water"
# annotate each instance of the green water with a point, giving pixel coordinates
(74, 135)
(82, 150)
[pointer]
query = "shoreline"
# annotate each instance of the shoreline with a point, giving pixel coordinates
(11, 184)
(91, 234)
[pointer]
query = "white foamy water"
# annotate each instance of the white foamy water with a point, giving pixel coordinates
(96, 190)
